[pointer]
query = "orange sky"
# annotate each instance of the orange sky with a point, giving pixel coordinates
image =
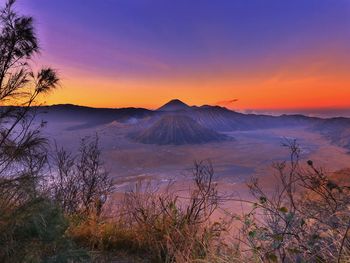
(304, 82)
(291, 54)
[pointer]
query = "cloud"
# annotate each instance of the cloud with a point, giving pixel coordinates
(226, 103)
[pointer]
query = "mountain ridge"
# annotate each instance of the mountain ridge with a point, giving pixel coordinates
(216, 118)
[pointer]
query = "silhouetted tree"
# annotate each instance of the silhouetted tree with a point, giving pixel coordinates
(19, 87)
(81, 184)
(31, 226)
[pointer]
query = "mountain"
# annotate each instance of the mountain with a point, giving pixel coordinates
(212, 117)
(337, 130)
(90, 117)
(224, 120)
(174, 105)
(175, 129)
(206, 120)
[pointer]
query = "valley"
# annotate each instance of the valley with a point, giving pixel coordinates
(248, 150)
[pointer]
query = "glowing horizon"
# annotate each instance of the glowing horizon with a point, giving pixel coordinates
(271, 55)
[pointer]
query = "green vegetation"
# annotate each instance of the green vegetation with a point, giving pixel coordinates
(61, 209)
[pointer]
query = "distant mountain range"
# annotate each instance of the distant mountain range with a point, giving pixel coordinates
(178, 123)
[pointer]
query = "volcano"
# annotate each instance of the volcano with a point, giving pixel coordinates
(177, 129)
(174, 105)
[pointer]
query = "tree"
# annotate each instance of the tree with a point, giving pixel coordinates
(81, 184)
(20, 87)
(31, 226)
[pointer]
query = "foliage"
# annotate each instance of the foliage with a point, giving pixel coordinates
(81, 184)
(22, 149)
(306, 218)
(171, 230)
(160, 224)
(35, 232)
(31, 227)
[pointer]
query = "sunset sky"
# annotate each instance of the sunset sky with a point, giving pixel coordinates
(242, 54)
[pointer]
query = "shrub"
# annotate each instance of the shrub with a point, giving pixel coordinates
(35, 232)
(159, 224)
(170, 228)
(81, 184)
(305, 219)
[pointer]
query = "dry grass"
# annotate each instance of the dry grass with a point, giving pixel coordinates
(160, 225)
(306, 219)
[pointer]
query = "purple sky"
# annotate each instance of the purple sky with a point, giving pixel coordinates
(138, 43)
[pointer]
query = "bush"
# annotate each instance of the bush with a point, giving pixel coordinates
(81, 184)
(171, 228)
(35, 232)
(159, 224)
(306, 218)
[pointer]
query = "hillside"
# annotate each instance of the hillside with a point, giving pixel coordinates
(177, 130)
(337, 130)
